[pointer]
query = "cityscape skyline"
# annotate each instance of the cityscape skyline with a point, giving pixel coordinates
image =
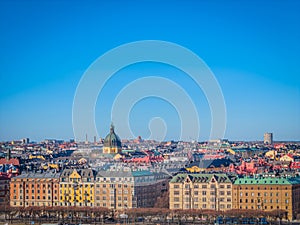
(251, 48)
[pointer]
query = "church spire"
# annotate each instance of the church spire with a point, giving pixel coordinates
(112, 128)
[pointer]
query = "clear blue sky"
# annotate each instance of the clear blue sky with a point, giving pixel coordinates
(252, 47)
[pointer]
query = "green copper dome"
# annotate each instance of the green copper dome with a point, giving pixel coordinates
(112, 140)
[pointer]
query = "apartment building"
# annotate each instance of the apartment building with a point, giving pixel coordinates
(128, 189)
(268, 194)
(35, 189)
(4, 189)
(200, 191)
(77, 187)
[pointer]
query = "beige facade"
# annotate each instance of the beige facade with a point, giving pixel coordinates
(200, 191)
(128, 189)
(268, 194)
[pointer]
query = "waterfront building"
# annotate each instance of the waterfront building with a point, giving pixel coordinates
(200, 191)
(35, 189)
(77, 187)
(128, 189)
(268, 194)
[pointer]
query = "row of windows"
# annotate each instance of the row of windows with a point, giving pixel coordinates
(112, 192)
(72, 185)
(78, 191)
(265, 194)
(203, 206)
(38, 197)
(203, 193)
(79, 204)
(204, 199)
(258, 188)
(37, 191)
(204, 186)
(259, 201)
(36, 203)
(72, 198)
(261, 207)
(37, 185)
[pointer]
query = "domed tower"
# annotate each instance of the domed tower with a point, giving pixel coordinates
(112, 143)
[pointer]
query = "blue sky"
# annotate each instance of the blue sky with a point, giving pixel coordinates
(252, 47)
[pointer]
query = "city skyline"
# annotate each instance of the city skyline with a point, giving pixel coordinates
(251, 48)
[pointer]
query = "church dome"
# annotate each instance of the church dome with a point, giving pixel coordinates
(112, 140)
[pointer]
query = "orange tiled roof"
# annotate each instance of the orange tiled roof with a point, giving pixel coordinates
(13, 161)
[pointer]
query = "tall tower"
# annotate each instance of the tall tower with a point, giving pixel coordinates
(268, 138)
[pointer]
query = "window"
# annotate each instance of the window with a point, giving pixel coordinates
(176, 186)
(203, 199)
(196, 193)
(176, 192)
(176, 199)
(203, 192)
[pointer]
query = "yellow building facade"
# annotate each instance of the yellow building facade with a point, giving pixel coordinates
(268, 194)
(77, 187)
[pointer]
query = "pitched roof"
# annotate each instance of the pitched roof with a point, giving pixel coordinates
(44, 175)
(200, 178)
(212, 163)
(13, 161)
(267, 181)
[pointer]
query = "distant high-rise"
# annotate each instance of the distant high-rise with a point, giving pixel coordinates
(268, 138)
